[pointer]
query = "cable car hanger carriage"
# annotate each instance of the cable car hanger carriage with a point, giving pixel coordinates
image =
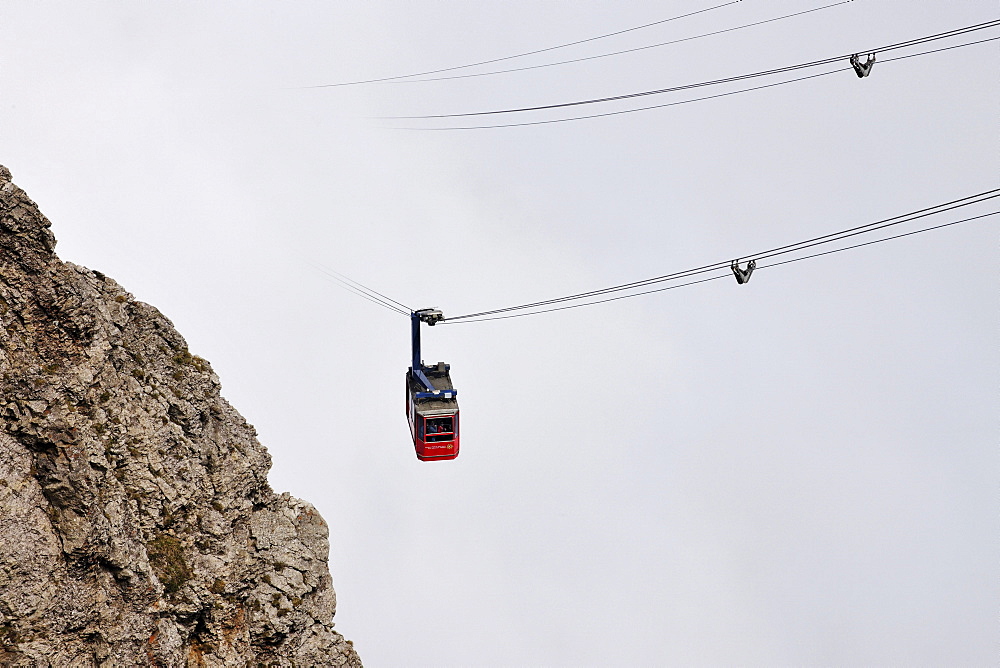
(431, 399)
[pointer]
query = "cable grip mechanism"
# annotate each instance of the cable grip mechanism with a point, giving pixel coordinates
(431, 316)
(742, 275)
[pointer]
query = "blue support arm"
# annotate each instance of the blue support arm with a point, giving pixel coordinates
(430, 316)
(417, 366)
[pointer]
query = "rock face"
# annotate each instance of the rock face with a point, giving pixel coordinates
(136, 523)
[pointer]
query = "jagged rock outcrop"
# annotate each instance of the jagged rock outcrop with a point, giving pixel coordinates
(136, 523)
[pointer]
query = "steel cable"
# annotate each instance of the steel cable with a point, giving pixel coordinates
(625, 51)
(674, 104)
(773, 252)
(702, 84)
(715, 278)
(521, 55)
(363, 291)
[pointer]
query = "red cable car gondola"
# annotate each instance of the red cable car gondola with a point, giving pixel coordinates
(431, 399)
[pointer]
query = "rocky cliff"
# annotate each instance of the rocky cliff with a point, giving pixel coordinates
(137, 526)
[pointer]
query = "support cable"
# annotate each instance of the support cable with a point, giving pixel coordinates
(367, 289)
(624, 51)
(773, 252)
(371, 299)
(363, 291)
(715, 278)
(526, 53)
(696, 99)
(702, 84)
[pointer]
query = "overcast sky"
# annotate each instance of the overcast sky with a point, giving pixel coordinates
(802, 470)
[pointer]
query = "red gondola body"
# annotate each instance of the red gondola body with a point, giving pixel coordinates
(433, 420)
(431, 399)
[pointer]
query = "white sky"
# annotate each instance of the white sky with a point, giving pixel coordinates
(799, 471)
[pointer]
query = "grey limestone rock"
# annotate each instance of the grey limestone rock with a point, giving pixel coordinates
(137, 526)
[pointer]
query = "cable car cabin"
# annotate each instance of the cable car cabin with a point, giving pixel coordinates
(433, 416)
